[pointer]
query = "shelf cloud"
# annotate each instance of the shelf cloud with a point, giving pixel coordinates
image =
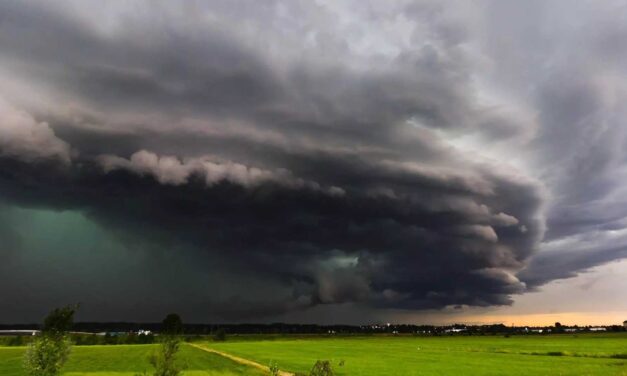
(406, 155)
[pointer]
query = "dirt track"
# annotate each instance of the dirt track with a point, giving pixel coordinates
(240, 360)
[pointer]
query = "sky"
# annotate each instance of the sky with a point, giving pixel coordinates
(314, 161)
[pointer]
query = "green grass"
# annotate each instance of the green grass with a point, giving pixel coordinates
(127, 360)
(584, 354)
(588, 354)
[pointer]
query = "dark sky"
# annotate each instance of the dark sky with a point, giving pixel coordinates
(316, 161)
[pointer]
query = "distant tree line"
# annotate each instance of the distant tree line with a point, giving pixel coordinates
(127, 333)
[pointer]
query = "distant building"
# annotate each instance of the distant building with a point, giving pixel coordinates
(598, 329)
(625, 323)
(455, 330)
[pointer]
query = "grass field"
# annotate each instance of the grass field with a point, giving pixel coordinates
(127, 360)
(588, 354)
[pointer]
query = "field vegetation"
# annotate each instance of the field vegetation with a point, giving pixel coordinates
(562, 354)
(127, 360)
(585, 354)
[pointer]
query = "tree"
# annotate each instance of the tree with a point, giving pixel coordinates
(59, 321)
(47, 354)
(172, 325)
(164, 360)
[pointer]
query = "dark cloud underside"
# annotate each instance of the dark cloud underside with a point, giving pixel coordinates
(386, 157)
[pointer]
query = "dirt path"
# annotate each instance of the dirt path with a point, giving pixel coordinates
(240, 360)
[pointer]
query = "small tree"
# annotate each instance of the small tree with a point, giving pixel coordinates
(48, 353)
(322, 368)
(164, 360)
(172, 325)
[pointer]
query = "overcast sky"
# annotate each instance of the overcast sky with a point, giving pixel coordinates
(314, 161)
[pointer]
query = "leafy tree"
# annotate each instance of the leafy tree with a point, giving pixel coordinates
(59, 321)
(322, 368)
(47, 354)
(164, 360)
(172, 325)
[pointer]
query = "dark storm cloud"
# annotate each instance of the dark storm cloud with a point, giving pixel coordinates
(11, 240)
(323, 151)
(330, 246)
(580, 144)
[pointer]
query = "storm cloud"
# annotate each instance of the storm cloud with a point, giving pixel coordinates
(412, 155)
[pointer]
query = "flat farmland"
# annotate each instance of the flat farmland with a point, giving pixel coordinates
(584, 354)
(127, 360)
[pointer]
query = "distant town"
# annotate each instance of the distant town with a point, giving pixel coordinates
(139, 330)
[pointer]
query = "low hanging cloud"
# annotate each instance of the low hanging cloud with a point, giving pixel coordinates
(26, 139)
(395, 157)
(170, 170)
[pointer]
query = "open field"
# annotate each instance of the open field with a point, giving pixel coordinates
(585, 354)
(127, 360)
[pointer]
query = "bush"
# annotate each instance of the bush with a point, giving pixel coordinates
(47, 353)
(164, 360)
(322, 368)
(274, 368)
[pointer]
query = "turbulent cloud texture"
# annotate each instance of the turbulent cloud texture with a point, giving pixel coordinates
(399, 155)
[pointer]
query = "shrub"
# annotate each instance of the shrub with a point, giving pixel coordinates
(322, 368)
(164, 360)
(47, 353)
(274, 368)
